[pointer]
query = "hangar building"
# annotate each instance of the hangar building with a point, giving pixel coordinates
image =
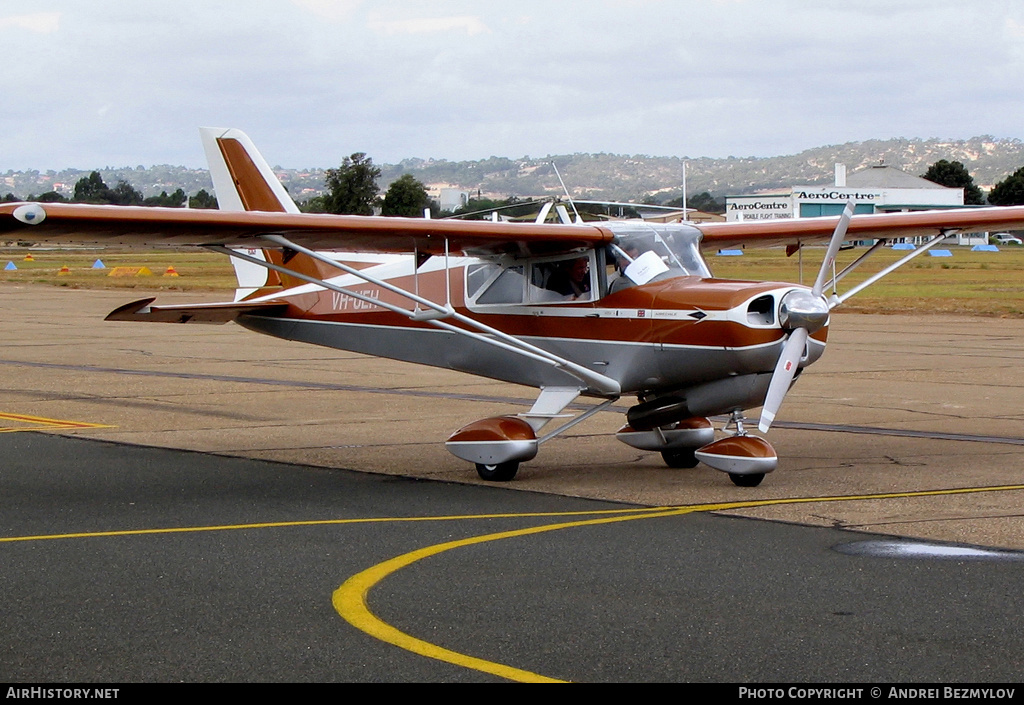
(876, 189)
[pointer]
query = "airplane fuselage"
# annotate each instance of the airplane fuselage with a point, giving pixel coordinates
(720, 339)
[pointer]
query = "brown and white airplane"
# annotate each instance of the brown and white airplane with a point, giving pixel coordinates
(598, 311)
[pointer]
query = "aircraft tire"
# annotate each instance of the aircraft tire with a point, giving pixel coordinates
(751, 480)
(680, 458)
(502, 472)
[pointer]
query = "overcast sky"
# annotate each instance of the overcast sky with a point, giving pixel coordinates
(93, 83)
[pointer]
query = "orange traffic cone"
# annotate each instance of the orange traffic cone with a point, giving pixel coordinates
(171, 273)
(64, 271)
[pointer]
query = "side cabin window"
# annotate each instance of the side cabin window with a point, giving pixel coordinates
(493, 284)
(547, 280)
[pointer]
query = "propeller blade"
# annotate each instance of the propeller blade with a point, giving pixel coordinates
(785, 369)
(838, 235)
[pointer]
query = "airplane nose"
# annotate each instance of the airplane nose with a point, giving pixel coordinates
(802, 309)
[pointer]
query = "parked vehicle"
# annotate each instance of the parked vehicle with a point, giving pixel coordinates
(1006, 239)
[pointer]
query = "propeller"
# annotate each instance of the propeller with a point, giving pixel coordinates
(802, 312)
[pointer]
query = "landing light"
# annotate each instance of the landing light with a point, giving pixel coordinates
(31, 214)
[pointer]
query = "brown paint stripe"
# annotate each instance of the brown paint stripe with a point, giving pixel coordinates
(253, 189)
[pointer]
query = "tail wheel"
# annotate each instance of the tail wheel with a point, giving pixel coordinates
(502, 472)
(680, 458)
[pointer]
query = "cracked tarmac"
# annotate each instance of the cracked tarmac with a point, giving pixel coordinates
(897, 404)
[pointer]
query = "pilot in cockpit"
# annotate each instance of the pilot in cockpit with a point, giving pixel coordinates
(571, 278)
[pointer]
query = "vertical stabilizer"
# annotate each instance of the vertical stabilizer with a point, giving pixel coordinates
(241, 176)
(243, 181)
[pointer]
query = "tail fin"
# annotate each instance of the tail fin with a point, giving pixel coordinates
(243, 181)
(241, 176)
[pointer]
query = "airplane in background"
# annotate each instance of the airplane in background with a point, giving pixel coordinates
(595, 311)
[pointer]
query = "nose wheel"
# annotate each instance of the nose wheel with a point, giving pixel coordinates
(500, 472)
(751, 480)
(745, 459)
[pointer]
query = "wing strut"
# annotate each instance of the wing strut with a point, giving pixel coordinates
(892, 267)
(605, 386)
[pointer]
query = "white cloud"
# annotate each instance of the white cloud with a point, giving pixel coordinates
(430, 25)
(313, 80)
(333, 10)
(41, 22)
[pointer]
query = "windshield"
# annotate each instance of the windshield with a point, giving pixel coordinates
(675, 245)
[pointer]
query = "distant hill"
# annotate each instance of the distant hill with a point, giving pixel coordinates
(602, 176)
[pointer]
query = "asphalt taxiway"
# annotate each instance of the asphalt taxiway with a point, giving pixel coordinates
(908, 426)
(123, 564)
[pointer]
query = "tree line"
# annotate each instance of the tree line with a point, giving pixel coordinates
(92, 189)
(352, 189)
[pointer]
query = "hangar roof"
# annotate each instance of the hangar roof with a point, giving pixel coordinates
(882, 176)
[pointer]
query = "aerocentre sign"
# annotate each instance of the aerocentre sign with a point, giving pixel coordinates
(836, 194)
(758, 207)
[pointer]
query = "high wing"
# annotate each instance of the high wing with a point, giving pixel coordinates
(862, 227)
(68, 223)
(79, 224)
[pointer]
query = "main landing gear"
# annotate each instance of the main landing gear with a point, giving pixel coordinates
(684, 444)
(498, 444)
(680, 458)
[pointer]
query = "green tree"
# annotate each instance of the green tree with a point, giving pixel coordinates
(203, 199)
(50, 197)
(1009, 191)
(955, 175)
(91, 189)
(705, 202)
(406, 197)
(175, 200)
(124, 194)
(352, 187)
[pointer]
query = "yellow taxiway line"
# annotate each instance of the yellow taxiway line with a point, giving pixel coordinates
(41, 423)
(350, 599)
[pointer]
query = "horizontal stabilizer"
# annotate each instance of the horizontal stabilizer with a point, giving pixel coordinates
(192, 313)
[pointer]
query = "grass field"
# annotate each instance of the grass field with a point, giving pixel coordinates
(974, 283)
(197, 270)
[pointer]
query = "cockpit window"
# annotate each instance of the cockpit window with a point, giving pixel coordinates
(676, 245)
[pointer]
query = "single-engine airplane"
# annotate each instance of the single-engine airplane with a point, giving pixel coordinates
(598, 311)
